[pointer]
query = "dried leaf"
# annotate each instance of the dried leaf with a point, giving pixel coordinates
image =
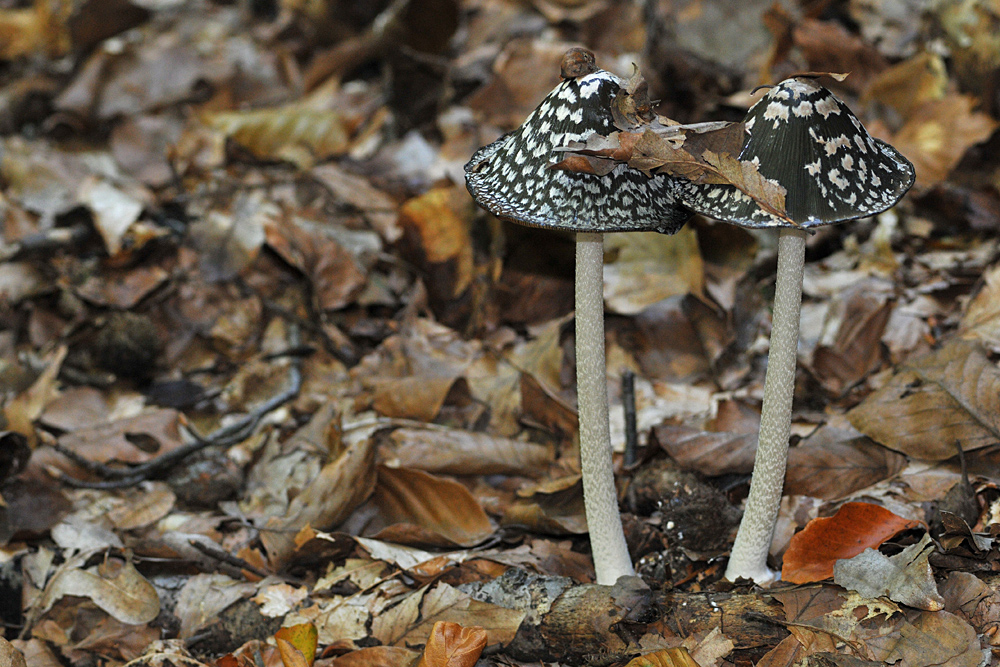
(854, 528)
(295, 132)
(554, 507)
(950, 395)
(303, 637)
(447, 603)
(436, 229)
(982, 316)
(644, 269)
(905, 578)
(939, 133)
(291, 656)
(669, 657)
(933, 638)
(204, 597)
(10, 655)
(451, 645)
(433, 510)
(124, 594)
(455, 452)
(832, 464)
(377, 656)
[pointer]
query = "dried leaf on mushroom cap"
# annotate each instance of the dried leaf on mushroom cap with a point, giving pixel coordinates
(806, 140)
(513, 177)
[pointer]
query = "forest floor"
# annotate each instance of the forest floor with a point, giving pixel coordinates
(266, 365)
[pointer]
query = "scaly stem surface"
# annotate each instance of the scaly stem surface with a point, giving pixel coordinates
(749, 556)
(607, 539)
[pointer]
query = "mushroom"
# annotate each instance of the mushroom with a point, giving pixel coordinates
(804, 138)
(512, 178)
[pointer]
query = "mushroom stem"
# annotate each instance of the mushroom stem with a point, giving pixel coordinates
(604, 522)
(753, 540)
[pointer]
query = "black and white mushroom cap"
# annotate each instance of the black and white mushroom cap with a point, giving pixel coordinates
(804, 138)
(512, 178)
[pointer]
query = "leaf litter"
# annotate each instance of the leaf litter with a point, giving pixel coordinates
(238, 236)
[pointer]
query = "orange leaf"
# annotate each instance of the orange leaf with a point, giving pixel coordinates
(290, 656)
(451, 645)
(854, 528)
(303, 636)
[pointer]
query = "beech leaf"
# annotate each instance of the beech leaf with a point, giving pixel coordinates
(950, 395)
(905, 578)
(854, 528)
(451, 645)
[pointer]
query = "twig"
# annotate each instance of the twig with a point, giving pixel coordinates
(628, 403)
(114, 477)
(213, 550)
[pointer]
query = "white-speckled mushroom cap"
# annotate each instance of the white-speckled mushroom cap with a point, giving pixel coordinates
(512, 178)
(805, 139)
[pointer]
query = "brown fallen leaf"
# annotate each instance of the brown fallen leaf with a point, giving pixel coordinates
(833, 463)
(856, 349)
(116, 587)
(436, 233)
(939, 133)
(668, 657)
(451, 645)
(10, 655)
(456, 452)
(929, 638)
(377, 656)
(951, 395)
(447, 603)
(854, 528)
(420, 509)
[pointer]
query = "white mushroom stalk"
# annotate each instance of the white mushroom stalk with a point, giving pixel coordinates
(748, 558)
(600, 496)
(809, 142)
(513, 179)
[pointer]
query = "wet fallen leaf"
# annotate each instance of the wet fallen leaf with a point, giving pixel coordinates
(951, 395)
(855, 527)
(451, 645)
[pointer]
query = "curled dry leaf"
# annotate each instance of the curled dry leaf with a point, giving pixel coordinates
(951, 395)
(291, 656)
(451, 645)
(854, 528)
